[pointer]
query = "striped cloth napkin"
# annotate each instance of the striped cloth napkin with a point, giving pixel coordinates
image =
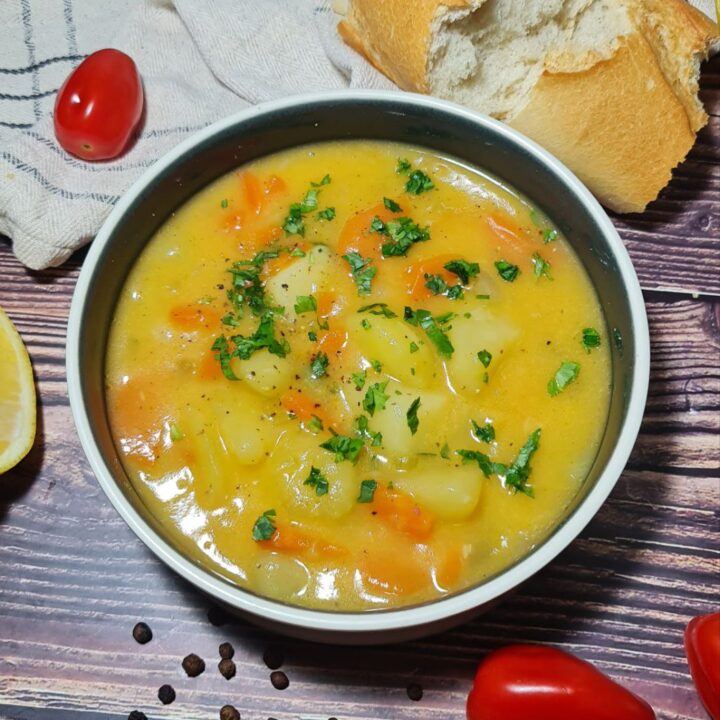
(201, 60)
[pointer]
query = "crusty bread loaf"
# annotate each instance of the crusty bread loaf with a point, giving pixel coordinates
(609, 86)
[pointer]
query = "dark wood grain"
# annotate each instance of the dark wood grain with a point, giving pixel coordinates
(74, 579)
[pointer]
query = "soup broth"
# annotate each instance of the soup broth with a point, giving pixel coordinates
(357, 375)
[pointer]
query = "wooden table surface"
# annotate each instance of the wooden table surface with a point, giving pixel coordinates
(74, 579)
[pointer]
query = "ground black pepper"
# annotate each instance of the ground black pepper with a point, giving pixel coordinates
(228, 712)
(274, 658)
(142, 633)
(166, 694)
(415, 692)
(279, 680)
(227, 668)
(137, 715)
(227, 651)
(193, 665)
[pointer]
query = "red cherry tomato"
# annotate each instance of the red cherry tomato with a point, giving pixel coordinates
(99, 106)
(532, 682)
(702, 647)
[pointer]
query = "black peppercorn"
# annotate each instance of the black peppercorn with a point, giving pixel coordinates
(166, 694)
(227, 668)
(142, 633)
(279, 680)
(217, 616)
(274, 658)
(193, 665)
(415, 692)
(137, 715)
(228, 712)
(226, 651)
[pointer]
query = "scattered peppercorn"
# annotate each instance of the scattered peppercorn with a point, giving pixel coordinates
(142, 633)
(228, 712)
(217, 616)
(193, 665)
(279, 680)
(137, 715)
(227, 651)
(166, 694)
(415, 692)
(227, 668)
(274, 658)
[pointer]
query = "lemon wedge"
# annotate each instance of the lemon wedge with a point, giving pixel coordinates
(17, 397)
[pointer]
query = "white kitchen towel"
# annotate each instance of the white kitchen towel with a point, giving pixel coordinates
(200, 60)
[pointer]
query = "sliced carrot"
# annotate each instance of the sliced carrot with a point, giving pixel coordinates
(332, 342)
(275, 185)
(431, 266)
(516, 243)
(449, 570)
(326, 303)
(252, 193)
(400, 512)
(209, 368)
(304, 407)
(137, 414)
(387, 574)
(194, 317)
(293, 540)
(356, 234)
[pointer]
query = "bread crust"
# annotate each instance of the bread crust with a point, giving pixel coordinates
(621, 124)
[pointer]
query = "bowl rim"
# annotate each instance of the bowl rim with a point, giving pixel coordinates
(394, 618)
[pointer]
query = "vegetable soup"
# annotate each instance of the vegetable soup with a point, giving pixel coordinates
(358, 375)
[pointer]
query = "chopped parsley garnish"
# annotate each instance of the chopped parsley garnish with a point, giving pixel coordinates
(312, 336)
(362, 271)
(507, 271)
(482, 297)
(412, 418)
(590, 339)
(484, 433)
(376, 366)
(318, 365)
(403, 166)
(326, 214)
(425, 320)
(391, 205)
(445, 451)
(247, 287)
(403, 234)
(176, 434)
(297, 252)
(418, 183)
(518, 473)
(484, 357)
(375, 398)
(315, 424)
(378, 309)
(318, 481)
(367, 491)
(293, 223)
(485, 378)
(464, 270)
(224, 203)
(206, 300)
(541, 267)
(264, 527)
(344, 447)
(414, 347)
(362, 429)
(359, 379)
(264, 337)
(325, 181)
(549, 235)
(566, 374)
(365, 323)
(305, 303)
(224, 355)
(435, 284)
(486, 465)
(230, 319)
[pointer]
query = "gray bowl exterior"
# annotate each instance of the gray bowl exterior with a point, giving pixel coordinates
(393, 117)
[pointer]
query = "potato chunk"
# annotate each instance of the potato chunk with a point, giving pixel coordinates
(303, 276)
(446, 488)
